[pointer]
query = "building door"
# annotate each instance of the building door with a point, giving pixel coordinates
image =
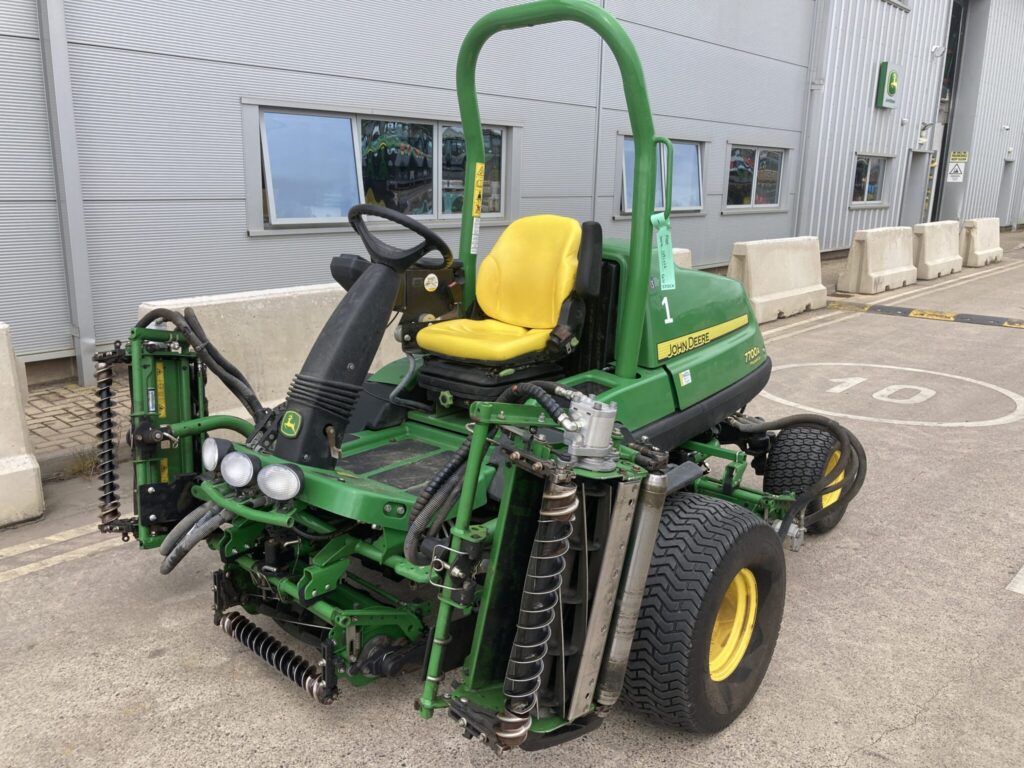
(915, 188)
(947, 98)
(1003, 210)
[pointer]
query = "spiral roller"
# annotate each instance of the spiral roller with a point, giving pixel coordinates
(537, 612)
(106, 448)
(278, 655)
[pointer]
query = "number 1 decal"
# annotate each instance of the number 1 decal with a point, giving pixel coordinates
(668, 314)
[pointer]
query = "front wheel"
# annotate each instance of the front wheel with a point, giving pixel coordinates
(710, 615)
(799, 457)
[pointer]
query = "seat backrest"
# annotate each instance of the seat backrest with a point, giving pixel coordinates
(530, 271)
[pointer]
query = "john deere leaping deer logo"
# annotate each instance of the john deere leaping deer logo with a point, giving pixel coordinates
(893, 83)
(291, 423)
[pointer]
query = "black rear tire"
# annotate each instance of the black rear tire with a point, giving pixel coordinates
(798, 459)
(703, 544)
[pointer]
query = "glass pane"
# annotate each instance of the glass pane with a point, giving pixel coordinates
(769, 176)
(685, 175)
(398, 165)
(453, 169)
(311, 165)
(628, 164)
(873, 192)
(741, 176)
(860, 177)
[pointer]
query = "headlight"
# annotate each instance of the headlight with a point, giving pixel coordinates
(280, 482)
(239, 469)
(214, 451)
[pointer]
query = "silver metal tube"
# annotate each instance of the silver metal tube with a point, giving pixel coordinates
(627, 609)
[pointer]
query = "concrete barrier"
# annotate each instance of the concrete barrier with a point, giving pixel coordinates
(880, 259)
(782, 277)
(21, 490)
(979, 242)
(267, 335)
(683, 258)
(937, 249)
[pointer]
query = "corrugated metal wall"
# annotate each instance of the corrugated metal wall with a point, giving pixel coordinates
(33, 292)
(714, 79)
(157, 88)
(856, 35)
(996, 127)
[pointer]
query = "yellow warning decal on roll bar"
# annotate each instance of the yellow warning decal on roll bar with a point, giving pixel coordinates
(681, 344)
(478, 190)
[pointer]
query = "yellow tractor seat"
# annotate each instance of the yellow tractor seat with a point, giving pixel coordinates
(522, 286)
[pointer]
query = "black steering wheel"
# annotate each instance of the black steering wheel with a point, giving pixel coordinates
(398, 259)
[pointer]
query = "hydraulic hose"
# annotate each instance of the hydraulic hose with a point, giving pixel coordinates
(206, 525)
(193, 320)
(542, 392)
(184, 526)
(449, 489)
(852, 462)
(237, 387)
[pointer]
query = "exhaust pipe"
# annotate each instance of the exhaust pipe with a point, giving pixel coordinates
(627, 609)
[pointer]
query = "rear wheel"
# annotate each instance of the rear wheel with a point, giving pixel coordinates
(800, 457)
(710, 615)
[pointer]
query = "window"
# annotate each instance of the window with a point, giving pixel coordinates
(309, 167)
(867, 179)
(317, 165)
(686, 176)
(755, 177)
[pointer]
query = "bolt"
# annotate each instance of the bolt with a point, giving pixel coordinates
(314, 593)
(463, 722)
(387, 508)
(152, 518)
(151, 490)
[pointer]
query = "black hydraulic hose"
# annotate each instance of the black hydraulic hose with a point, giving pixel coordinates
(199, 532)
(538, 390)
(852, 463)
(417, 526)
(237, 387)
(193, 320)
(184, 526)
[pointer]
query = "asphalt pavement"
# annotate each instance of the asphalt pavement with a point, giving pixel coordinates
(901, 645)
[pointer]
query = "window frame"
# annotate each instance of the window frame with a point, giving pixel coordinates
(663, 162)
(253, 160)
(268, 174)
(880, 202)
(753, 205)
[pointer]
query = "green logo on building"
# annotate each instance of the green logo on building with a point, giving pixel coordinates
(291, 423)
(888, 85)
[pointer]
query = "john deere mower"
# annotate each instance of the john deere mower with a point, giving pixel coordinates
(540, 511)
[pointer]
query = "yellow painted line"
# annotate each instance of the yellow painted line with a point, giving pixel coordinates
(931, 314)
(685, 343)
(66, 557)
(45, 541)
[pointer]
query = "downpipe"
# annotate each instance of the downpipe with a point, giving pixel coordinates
(653, 492)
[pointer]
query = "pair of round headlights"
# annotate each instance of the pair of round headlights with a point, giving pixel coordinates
(279, 482)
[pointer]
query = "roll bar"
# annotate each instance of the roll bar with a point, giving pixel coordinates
(627, 341)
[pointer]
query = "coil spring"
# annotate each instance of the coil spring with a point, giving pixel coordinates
(278, 655)
(537, 612)
(106, 448)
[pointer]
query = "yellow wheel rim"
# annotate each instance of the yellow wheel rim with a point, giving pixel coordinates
(830, 498)
(734, 626)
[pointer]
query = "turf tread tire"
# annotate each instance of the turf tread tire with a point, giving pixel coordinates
(797, 461)
(667, 676)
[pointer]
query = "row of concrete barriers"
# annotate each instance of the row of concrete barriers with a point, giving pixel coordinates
(782, 277)
(269, 333)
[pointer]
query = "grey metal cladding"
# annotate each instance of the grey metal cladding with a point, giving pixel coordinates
(857, 36)
(19, 18)
(1000, 102)
(33, 292)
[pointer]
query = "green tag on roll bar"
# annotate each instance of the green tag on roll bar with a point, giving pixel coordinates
(663, 246)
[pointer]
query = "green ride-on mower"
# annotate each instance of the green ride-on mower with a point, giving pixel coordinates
(541, 510)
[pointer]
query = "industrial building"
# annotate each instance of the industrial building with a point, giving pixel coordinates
(153, 150)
